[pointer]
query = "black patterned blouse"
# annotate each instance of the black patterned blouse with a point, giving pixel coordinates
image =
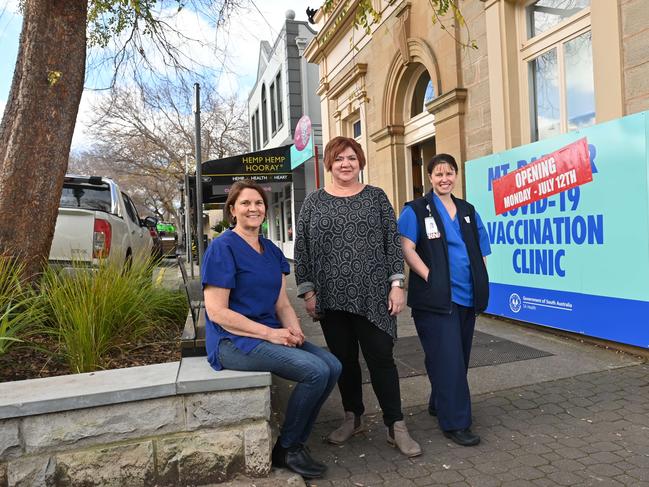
(347, 249)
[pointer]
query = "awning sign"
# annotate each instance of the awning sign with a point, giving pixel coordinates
(266, 166)
(557, 172)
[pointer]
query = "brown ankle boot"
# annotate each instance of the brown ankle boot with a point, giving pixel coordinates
(351, 426)
(399, 437)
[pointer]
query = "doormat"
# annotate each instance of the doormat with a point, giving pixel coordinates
(487, 350)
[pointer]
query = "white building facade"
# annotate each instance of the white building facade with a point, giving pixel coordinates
(284, 91)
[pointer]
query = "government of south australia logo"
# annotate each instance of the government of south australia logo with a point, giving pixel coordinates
(515, 302)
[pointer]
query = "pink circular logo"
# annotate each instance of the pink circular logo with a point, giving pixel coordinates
(302, 132)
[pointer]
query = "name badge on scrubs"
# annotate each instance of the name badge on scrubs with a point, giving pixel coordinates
(431, 227)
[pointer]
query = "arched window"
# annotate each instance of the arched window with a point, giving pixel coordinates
(423, 94)
(264, 113)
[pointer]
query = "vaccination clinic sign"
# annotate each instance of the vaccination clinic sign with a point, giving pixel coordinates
(568, 223)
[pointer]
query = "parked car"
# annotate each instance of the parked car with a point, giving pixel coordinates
(152, 224)
(97, 220)
(168, 236)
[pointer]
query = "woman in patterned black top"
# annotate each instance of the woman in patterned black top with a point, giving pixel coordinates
(349, 270)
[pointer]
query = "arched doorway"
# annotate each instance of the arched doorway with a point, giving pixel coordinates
(419, 130)
(408, 134)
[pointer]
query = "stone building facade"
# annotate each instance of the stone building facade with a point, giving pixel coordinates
(411, 87)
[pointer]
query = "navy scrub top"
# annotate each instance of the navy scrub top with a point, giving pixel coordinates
(458, 258)
(254, 280)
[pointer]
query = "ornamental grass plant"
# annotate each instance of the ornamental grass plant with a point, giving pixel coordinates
(93, 312)
(20, 310)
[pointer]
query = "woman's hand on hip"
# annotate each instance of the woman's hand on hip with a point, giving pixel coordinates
(283, 336)
(396, 300)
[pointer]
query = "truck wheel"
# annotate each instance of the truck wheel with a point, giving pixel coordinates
(128, 263)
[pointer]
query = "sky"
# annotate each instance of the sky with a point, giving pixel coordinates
(261, 20)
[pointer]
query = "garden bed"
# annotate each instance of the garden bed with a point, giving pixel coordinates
(31, 362)
(110, 318)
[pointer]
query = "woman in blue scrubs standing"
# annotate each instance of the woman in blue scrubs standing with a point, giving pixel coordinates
(252, 326)
(445, 244)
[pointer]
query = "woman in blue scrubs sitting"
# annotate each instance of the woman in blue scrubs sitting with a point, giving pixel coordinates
(252, 326)
(445, 244)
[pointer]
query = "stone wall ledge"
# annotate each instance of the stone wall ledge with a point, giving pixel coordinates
(79, 391)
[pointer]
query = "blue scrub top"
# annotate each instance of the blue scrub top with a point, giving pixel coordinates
(254, 280)
(458, 258)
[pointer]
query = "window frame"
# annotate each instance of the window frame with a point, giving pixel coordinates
(264, 114)
(354, 124)
(273, 109)
(349, 124)
(277, 223)
(252, 132)
(257, 131)
(278, 94)
(418, 106)
(536, 46)
(131, 210)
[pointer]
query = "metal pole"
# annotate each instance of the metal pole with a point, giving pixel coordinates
(199, 178)
(180, 226)
(188, 218)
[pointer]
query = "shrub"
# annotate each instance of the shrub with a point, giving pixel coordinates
(20, 312)
(95, 311)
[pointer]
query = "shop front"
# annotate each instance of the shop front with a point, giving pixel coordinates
(282, 171)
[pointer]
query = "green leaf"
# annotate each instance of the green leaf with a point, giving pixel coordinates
(96, 311)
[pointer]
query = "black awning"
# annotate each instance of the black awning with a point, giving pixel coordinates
(271, 168)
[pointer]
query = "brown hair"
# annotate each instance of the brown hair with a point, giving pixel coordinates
(235, 191)
(339, 144)
(441, 159)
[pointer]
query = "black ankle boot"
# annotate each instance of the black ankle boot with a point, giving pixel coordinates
(318, 464)
(300, 462)
(278, 456)
(297, 459)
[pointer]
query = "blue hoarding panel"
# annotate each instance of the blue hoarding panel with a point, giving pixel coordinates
(580, 258)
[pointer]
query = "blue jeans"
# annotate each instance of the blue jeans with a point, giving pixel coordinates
(314, 369)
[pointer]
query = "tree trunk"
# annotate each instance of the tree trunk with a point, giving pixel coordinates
(38, 124)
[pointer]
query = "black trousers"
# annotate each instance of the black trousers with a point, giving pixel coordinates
(446, 340)
(344, 332)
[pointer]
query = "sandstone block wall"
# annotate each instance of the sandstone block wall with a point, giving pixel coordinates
(184, 439)
(635, 41)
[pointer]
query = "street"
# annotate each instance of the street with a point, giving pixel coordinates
(575, 415)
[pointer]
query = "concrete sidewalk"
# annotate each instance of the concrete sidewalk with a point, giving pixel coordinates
(577, 416)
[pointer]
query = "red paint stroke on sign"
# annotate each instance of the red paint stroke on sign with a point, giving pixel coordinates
(557, 172)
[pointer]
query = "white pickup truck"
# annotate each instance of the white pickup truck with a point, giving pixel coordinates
(97, 221)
